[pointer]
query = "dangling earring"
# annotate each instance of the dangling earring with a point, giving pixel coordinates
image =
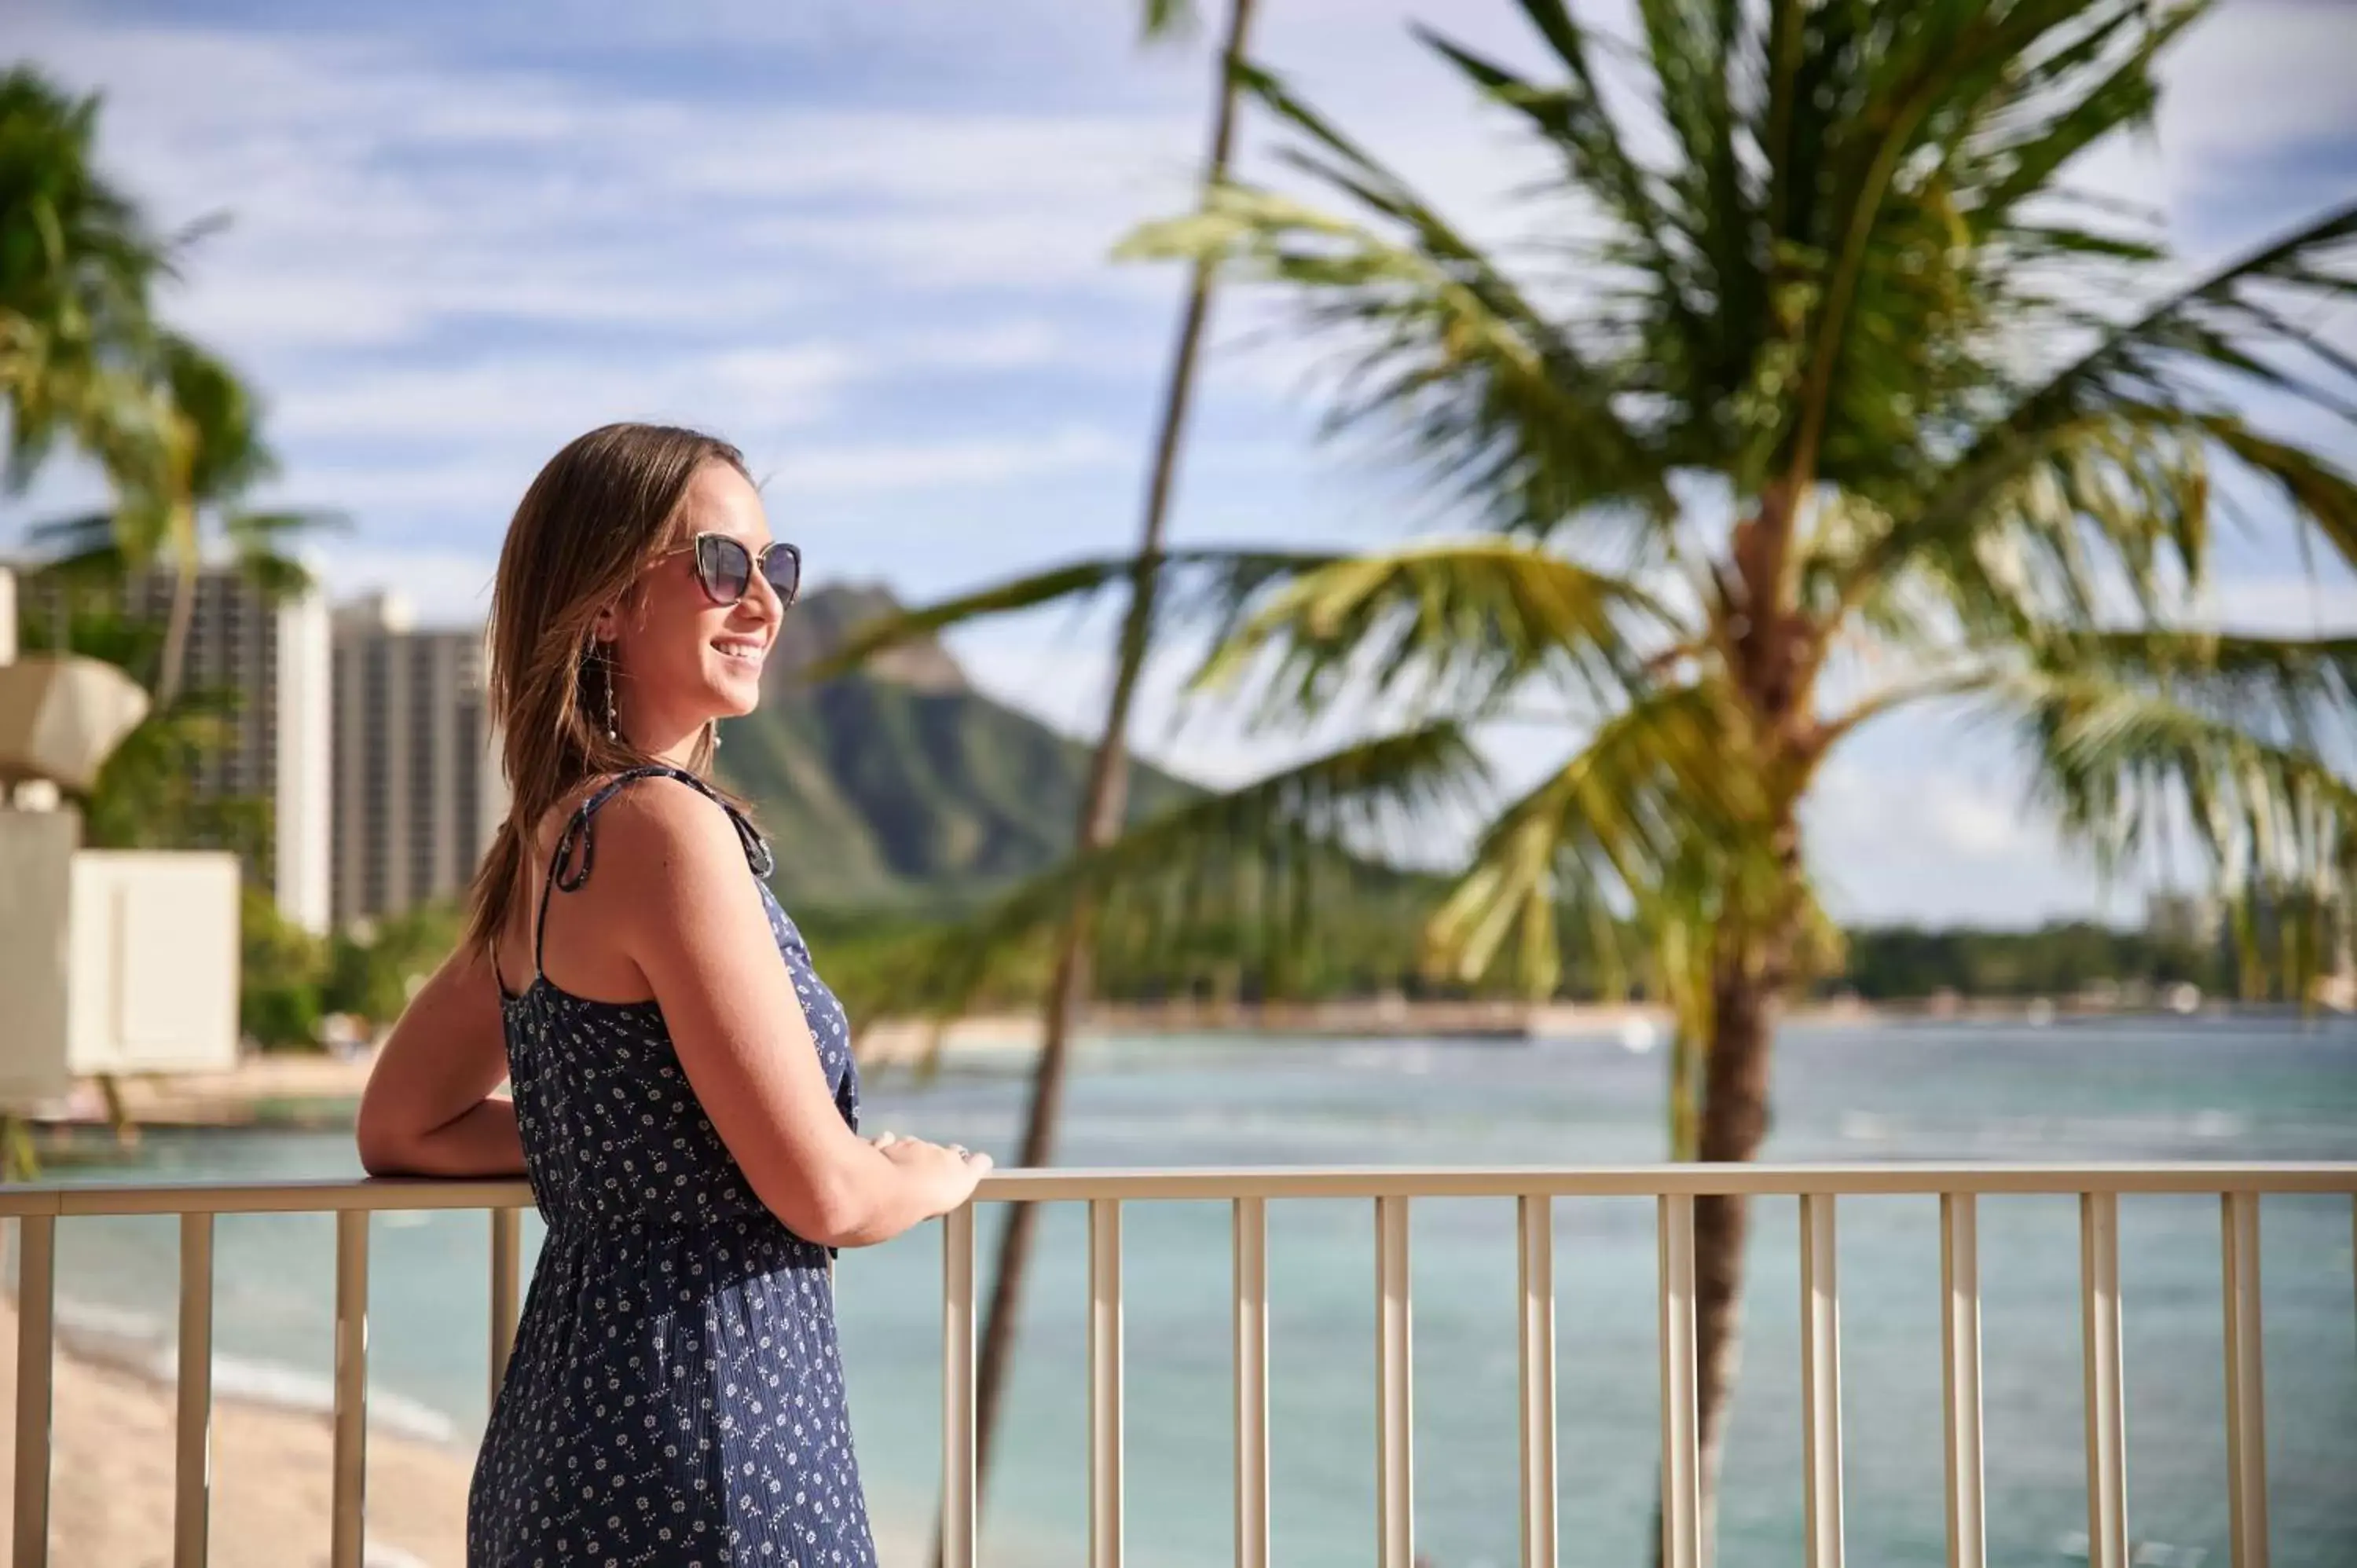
(713, 726)
(607, 663)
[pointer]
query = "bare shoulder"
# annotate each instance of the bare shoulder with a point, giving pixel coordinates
(662, 843)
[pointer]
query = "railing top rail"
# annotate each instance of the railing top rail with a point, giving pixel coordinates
(1214, 1182)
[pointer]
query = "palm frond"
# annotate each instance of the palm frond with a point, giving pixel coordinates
(2289, 690)
(259, 540)
(1466, 621)
(76, 334)
(226, 453)
(2110, 450)
(2120, 753)
(1934, 214)
(2321, 496)
(1652, 814)
(1164, 19)
(1210, 583)
(1503, 411)
(73, 541)
(2142, 370)
(1573, 117)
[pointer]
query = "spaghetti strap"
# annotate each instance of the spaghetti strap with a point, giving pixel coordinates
(578, 839)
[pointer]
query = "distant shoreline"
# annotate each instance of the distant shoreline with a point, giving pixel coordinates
(300, 1089)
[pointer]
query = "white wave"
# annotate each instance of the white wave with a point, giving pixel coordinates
(1865, 1127)
(142, 1342)
(100, 1320)
(290, 1387)
(378, 1555)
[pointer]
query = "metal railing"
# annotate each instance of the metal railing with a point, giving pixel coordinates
(1674, 1188)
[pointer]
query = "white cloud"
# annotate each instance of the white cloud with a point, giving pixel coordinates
(920, 466)
(1972, 824)
(2256, 77)
(552, 398)
(1942, 832)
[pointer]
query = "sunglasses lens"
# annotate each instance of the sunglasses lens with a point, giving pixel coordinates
(725, 567)
(783, 566)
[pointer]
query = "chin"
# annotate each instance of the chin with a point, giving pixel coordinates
(737, 699)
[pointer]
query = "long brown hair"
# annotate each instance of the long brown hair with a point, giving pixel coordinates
(595, 517)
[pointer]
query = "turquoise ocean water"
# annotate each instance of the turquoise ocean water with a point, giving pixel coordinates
(2144, 1091)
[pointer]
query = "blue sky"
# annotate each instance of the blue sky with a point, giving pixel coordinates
(868, 241)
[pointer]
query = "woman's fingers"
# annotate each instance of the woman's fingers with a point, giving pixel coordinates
(914, 1147)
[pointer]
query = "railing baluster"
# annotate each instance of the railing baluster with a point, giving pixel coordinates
(1681, 1450)
(2246, 1399)
(1104, 1384)
(2099, 1300)
(1821, 1442)
(1251, 1227)
(506, 1280)
(958, 1516)
(349, 1526)
(192, 1454)
(1536, 1214)
(37, 1296)
(1394, 1402)
(1960, 1338)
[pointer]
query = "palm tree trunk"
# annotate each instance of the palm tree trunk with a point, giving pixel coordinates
(1105, 798)
(171, 665)
(1753, 965)
(1734, 1123)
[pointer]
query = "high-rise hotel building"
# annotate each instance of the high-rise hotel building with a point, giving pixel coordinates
(418, 788)
(273, 658)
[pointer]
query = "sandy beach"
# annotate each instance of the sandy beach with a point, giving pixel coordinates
(111, 1477)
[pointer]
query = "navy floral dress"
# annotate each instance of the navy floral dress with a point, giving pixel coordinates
(675, 1396)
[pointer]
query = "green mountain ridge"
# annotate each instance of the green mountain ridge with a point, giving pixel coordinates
(901, 785)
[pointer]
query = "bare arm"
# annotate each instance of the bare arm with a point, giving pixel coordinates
(689, 917)
(429, 1109)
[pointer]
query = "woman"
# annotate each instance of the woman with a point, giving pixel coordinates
(684, 1095)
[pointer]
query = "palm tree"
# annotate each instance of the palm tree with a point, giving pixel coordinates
(81, 357)
(1828, 398)
(77, 260)
(171, 509)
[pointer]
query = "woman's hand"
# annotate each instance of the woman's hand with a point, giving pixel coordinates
(947, 1176)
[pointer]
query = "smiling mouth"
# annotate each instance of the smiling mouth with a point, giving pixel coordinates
(741, 650)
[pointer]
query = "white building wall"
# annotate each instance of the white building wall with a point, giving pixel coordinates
(36, 855)
(154, 961)
(305, 782)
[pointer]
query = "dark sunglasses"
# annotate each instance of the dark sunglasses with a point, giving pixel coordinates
(725, 568)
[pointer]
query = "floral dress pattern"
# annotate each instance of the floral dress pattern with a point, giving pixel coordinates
(675, 1394)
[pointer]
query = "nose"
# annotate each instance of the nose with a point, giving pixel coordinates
(762, 595)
